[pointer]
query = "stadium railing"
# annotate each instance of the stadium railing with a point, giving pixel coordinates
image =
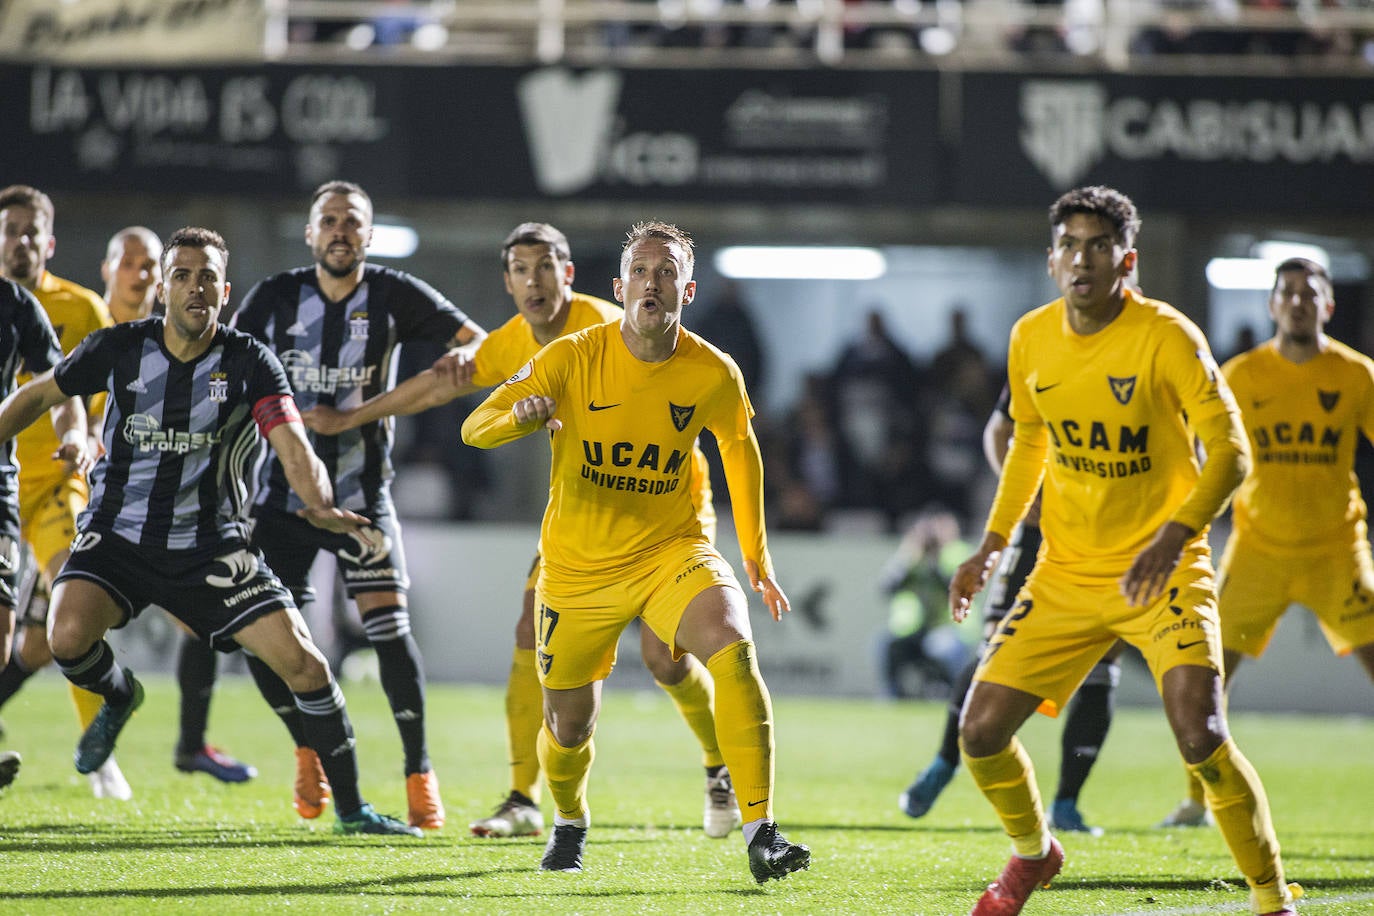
(1092, 34)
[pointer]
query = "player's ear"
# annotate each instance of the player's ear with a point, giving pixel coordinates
(1128, 261)
(619, 288)
(225, 301)
(690, 292)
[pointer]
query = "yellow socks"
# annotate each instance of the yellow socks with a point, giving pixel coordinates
(1241, 810)
(524, 719)
(87, 704)
(1007, 780)
(744, 727)
(567, 770)
(694, 697)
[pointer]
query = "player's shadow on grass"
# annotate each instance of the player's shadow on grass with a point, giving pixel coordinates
(1197, 885)
(387, 884)
(76, 839)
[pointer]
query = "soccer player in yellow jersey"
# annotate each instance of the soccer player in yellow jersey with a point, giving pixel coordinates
(538, 271)
(50, 495)
(621, 539)
(1109, 389)
(1299, 533)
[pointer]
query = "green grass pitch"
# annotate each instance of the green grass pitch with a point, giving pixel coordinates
(187, 844)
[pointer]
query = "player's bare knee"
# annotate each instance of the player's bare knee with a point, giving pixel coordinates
(67, 638)
(33, 649)
(665, 670)
(568, 731)
(658, 658)
(303, 670)
(978, 737)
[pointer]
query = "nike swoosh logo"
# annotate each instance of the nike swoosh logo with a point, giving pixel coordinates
(595, 406)
(1189, 645)
(752, 804)
(1040, 390)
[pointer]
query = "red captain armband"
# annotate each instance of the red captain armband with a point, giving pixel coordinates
(275, 410)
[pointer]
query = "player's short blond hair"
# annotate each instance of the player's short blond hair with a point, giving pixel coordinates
(656, 229)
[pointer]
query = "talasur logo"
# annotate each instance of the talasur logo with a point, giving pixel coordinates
(568, 119)
(1062, 127)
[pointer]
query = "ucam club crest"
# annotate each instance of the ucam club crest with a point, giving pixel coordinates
(1061, 127)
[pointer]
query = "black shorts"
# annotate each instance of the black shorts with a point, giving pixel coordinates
(1018, 559)
(9, 549)
(372, 561)
(31, 591)
(214, 591)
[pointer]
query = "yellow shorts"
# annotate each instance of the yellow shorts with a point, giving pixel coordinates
(1256, 587)
(47, 515)
(578, 620)
(1060, 627)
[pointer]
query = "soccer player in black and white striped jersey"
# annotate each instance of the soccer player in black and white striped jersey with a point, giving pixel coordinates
(189, 403)
(336, 325)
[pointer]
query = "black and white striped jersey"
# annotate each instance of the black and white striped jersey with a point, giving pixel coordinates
(180, 440)
(340, 354)
(27, 340)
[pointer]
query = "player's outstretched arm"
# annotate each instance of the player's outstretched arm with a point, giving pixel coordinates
(499, 420)
(743, 465)
(23, 407)
(418, 393)
(307, 475)
(69, 422)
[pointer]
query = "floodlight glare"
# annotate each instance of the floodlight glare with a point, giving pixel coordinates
(763, 262)
(390, 241)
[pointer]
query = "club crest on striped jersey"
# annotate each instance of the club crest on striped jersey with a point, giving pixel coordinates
(1328, 399)
(1122, 388)
(357, 326)
(681, 415)
(219, 387)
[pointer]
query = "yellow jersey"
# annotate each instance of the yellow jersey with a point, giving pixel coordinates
(512, 345)
(620, 483)
(74, 311)
(1107, 417)
(1303, 420)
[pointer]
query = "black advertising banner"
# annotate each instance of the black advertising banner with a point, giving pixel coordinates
(743, 136)
(1184, 144)
(699, 135)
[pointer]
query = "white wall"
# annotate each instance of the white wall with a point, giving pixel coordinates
(468, 579)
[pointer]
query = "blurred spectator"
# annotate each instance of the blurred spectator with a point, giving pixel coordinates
(1244, 342)
(876, 392)
(807, 460)
(922, 652)
(961, 388)
(728, 324)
